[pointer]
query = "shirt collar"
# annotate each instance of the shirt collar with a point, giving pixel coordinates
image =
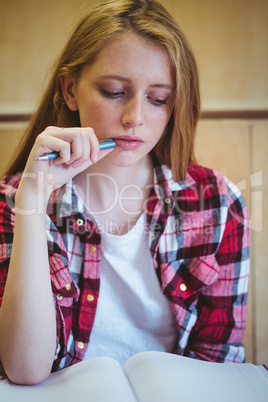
(64, 202)
(164, 182)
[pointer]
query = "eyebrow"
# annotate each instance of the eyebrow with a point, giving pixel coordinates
(124, 79)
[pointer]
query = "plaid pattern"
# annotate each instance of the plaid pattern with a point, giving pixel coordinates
(199, 241)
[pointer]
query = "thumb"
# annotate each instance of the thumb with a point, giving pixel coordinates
(101, 154)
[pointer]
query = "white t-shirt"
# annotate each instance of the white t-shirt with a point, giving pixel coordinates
(132, 313)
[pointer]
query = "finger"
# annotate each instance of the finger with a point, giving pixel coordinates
(104, 152)
(83, 144)
(79, 139)
(95, 149)
(84, 151)
(76, 146)
(86, 147)
(45, 144)
(90, 146)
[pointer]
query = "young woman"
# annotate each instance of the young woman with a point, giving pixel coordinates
(134, 248)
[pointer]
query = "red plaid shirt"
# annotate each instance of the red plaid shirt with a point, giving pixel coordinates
(199, 241)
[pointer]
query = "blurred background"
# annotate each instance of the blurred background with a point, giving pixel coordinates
(230, 41)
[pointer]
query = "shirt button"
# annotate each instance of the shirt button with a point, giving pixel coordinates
(92, 249)
(90, 298)
(59, 297)
(152, 236)
(79, 222)
(68, 286)
(81, 345)
(183, 287)
(167, 200)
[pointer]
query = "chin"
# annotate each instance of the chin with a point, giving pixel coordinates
(123, 163)
(124, 160)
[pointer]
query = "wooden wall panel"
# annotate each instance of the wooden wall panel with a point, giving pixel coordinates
(230, 42)
(10, 136)
(260, 239)
(229, 39)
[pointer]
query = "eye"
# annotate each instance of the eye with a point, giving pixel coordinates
(157, 101)
(114, 94)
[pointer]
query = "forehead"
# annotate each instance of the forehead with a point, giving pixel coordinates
(126, 53)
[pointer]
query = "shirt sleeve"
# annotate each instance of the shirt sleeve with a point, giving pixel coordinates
(221, 307)
(8, 188)
(7, 222)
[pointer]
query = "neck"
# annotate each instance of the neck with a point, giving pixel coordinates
(107, 187)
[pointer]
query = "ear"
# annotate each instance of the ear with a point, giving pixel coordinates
(67, 86)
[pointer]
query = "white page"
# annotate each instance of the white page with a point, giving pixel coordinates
(160, 377)
(95, 380)
(257, 376)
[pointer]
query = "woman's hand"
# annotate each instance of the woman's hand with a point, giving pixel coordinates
(78, 148)
(27, 318)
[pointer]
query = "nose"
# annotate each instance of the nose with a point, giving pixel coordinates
(133, 115)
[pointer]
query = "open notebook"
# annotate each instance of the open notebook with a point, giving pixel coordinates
(146, 377)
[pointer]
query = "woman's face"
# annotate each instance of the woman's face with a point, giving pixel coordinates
(126, 95)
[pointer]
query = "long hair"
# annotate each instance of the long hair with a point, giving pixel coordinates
(151, 20)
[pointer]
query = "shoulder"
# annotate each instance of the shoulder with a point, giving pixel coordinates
(205, 190)
(8, 188)
(212, 183)
(203, 175)
(10, 183)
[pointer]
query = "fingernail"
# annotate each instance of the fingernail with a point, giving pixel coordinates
(76, 164)
(95, 158)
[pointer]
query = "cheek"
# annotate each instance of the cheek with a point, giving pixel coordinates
(95, 114)
(160, 121)
(159, 125)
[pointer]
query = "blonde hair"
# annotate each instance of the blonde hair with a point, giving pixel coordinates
(151, 20)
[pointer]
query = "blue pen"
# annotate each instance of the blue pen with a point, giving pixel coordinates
(53, 155)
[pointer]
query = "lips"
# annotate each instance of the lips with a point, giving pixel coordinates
(128, 142)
